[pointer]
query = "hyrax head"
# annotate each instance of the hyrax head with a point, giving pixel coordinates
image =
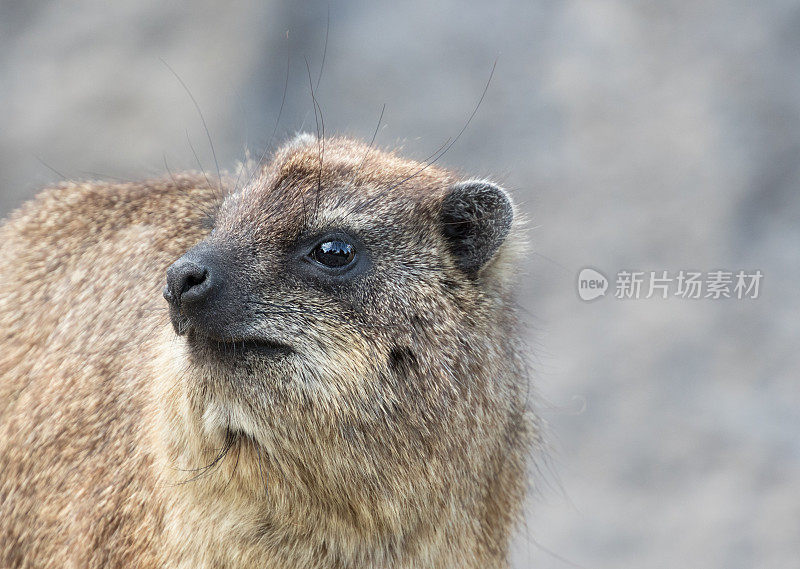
(349, 312)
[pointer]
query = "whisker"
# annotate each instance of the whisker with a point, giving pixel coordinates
(320, 136)
(230, 439)
(236, 464)
(371, 201)
(436, 156)
(209, 215)
(458, 136)
(325, 49)
(369, 148)
(197, 159)
(260, 162)
(49, 167)
(202, 119)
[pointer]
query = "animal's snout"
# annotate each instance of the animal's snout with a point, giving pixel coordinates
(201, 294)
(188, 282)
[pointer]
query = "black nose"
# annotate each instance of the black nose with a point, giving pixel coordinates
(188, 283)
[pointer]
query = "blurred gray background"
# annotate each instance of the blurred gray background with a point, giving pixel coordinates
(636, 135)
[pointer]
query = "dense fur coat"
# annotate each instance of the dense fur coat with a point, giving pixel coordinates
(392, 431)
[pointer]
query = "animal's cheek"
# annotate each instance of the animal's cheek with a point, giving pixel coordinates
(338, 359)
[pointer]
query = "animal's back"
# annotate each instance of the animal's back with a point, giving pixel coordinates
(81, 268)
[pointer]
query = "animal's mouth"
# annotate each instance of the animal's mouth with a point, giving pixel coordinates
(237, 347)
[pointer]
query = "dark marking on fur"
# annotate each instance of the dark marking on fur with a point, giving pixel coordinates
(402, 360)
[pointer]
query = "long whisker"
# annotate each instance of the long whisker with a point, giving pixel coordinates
(378, 196)
(325, 49)
(369, 148)
(197, 159)
(320, 136)
(260, 162)
(439, 153)
(458, 136)
(49, 167)
(235, 464)
(202, 119)
(208, 213)
(230, 439)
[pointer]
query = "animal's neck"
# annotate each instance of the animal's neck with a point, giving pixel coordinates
(249, 507)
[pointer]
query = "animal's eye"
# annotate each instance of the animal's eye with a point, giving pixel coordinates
(334, 254)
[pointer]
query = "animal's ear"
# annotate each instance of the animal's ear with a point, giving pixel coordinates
(475, 218)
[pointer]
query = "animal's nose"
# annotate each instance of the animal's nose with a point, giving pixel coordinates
(188, 282)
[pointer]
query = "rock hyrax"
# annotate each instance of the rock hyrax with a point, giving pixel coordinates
(334, 381)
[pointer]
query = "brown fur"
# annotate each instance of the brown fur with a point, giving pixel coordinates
(397, 436)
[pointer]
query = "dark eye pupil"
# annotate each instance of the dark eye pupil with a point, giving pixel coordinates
(333, 253)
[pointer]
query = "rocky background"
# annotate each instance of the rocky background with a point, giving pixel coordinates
(644, 136)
